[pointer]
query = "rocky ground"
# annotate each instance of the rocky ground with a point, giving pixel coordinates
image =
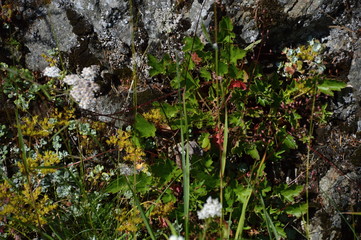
(87, 32)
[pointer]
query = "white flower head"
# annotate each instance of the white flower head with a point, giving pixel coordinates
(173, 237)
(211, 208)
(125, 170)
(51, 71)
(84, 87)
(90, 73)
(72, 79)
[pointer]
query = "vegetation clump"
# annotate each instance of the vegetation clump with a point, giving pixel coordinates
(199, 167)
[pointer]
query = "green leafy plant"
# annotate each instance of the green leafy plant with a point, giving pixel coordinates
(246, 114)
(164, 173)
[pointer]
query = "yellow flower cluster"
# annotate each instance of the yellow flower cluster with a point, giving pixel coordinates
(63, 116)
(163, 210)
(51, 60)
(98, 126)
(155, 116)
(124, 143)
(42, 163)
(33, 127)
(129, 222)
(26, 206)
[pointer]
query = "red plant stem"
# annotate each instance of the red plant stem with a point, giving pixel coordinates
(329, 162)
(89, 158)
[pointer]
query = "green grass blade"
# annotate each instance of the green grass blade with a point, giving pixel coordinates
(186, 167)
(270, 225)
(242, 217)
(142, 213)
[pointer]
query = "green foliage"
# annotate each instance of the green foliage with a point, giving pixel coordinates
(264, 119)
(328, 86)
(92, 181)
(145, 128)
(18, 85)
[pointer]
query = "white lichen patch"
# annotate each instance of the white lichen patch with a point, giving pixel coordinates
(160, 18)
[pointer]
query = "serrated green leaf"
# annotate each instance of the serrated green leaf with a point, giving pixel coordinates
(169, 196)
(143, 182)
(226, 24)
(281, 232)
(168, 110)
(329, 86)
(222, 68)
(192, 44)
(265, 190)
(287, 139)
(262, 101)
(118, 185)
(205, 74)
(289, 192)
(226, 30)
(205, 33)
(236, 54)
(290, 142)
(157, 66)
(253, 152)
(205, 141)
(242, 193)
(297, 210)
(165, 170)
(185, 80)
(191, 64)
(145, 128)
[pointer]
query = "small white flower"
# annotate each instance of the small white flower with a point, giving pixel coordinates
(84, 87)
(89, 73)
(72, 79)
(173, 237)
(51, 72)
(211, 208)
(125, 170)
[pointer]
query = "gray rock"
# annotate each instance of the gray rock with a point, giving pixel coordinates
(354, 75)
(338, 193)
(295, 8)
(200, 14)
(47, 33)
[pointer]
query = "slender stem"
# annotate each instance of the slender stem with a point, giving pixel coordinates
(186, 167)
(204, 234)
(26, 166)
(223, 160)
(134, 66)
(310, 133)
(142, 213)
(242, 217)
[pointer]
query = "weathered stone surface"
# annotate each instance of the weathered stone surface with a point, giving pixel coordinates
(103, 31)
(53, 30)
(338, 193)
(354, 75)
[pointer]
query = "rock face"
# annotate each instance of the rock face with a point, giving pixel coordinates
(100, 32)
(47, 33)
(338, 193)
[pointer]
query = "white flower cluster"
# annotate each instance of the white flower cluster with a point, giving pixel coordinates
(84, 86)
(125, 170)
(210, 209)
(173, 237)
(51, 71)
